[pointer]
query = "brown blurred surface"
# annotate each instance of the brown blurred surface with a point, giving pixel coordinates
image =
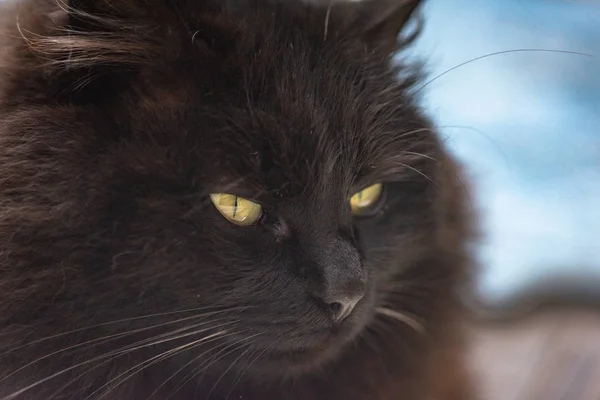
(554, 355)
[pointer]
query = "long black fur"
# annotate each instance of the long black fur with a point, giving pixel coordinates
(119, 118)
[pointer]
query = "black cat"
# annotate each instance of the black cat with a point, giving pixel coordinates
(223, 199)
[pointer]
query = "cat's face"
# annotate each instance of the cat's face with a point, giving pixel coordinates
(274, 181)
(297, 256)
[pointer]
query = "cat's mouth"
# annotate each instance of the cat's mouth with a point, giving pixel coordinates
(302, 359)
(296, 346)
(312, 350)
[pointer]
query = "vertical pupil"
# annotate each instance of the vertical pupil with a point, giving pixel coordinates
(235, 205)
(360, 196)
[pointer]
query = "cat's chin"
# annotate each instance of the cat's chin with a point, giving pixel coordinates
(324, 348)
(301, 361)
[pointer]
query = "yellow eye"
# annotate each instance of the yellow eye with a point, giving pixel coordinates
(236, 209)
(362, 201)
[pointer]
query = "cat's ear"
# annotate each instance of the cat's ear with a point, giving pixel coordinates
(382, 23)
(388, 23)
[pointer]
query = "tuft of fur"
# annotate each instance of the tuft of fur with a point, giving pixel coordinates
(119, 280)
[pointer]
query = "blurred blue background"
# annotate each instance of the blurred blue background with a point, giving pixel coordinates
(527, 126)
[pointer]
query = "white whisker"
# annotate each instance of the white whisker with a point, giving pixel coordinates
(226, 371)
(498, 53)
(204, 366)
(421, 155)
(420, 173)
(402, 317)
(118, 322)
(414, 132)
(153, 360)
(241, 374)
(326, 27)
(111, 354)
(108, 338)
(187, 365)
(144, 343)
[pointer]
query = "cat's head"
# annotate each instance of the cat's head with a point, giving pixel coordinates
(261, 162)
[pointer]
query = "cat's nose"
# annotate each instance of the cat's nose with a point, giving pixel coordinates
(342, 280)
(342, 294)
(341, 305)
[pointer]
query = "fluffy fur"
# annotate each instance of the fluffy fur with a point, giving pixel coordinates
(120, 280)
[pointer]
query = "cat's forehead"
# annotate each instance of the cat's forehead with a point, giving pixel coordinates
(297, 124)
(312, 149)
(289, 110)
